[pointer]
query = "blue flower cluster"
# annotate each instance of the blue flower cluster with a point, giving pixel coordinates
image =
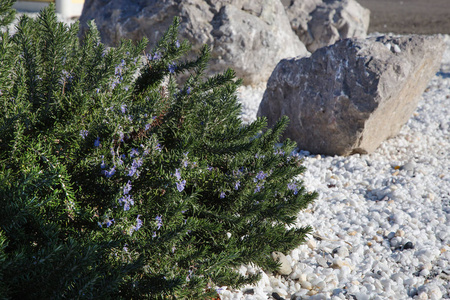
(159, 224)
(259, 180)
(172, 67)
(107, 222)
(118, 72)
(279, 152)
(84, 133)
(156, 56)
(126, 199)
(180, 183)
(138, 225)
(109, 173)
(185, 161)
(293, 187)
(127, 202)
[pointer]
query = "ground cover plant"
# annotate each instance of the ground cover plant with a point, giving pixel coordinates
(118, 181)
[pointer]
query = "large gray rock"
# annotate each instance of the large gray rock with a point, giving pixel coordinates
(248, 36)
(351, 96)
(320, 23)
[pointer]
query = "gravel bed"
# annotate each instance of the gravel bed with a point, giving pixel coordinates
(381, 222)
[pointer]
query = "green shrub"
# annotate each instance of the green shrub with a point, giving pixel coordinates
(118, 182)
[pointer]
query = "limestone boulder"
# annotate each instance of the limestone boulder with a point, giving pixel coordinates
(248, 36)
(351, 96)
(320, 23)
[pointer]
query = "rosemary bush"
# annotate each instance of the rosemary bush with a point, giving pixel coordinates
(116, 181)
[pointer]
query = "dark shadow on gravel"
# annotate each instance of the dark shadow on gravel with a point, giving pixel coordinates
(444, 75)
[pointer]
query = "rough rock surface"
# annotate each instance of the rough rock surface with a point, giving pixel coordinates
(351, 96)
(320, 23)
(248, 36)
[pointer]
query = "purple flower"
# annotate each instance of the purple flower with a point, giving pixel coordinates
(134, 152)
(261, 175)
(188, 91)
(258, 188)
(293, 187)
(109, 222)
(158, 147)
(121, 135)
(84, 133)
(118, 69)
(127, 201)
(157, 56)
(177, 174)
(222, 195)
(185, 160)
(177, 44)
(138, 223)
(172, 67)
(132, 170)
(279, 152)
(138, 162)
(110, 173)
(159, 222)
(134, 166)
(181, 185)
(127, 188)
(97, 142)
(210, 168)
(123, 108)
(237, 185)
(147, 126)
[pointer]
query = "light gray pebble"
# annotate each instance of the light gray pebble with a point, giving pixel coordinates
(285, 268)
(409, 166)
(341, 251)
(322, 261)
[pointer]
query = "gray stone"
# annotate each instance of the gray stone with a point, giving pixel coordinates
(409, 166)
(320, 23)
(322, 262)
(248, 36)
(341, 251)
(285, 268)
(351, 96)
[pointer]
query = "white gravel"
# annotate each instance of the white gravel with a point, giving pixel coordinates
(381, 222)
